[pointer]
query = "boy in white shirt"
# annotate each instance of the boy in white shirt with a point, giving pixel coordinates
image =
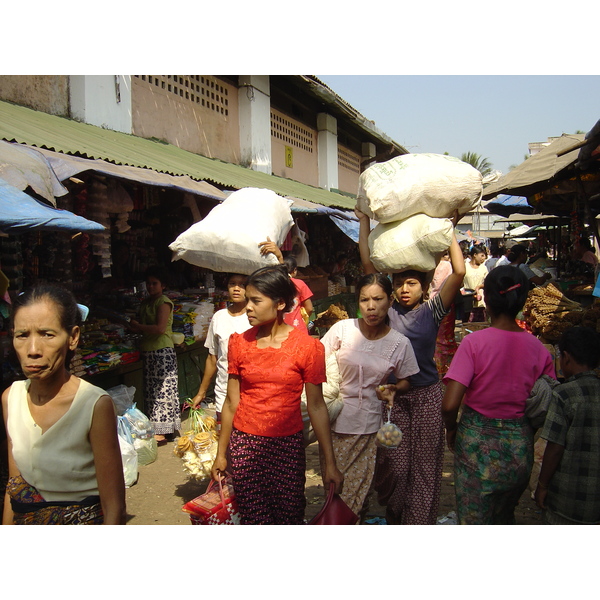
(224, 322)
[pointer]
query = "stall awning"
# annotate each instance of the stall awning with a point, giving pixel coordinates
(65, 166)
(520, 218)
(538, 171)
(39, 129)
(24, 167)
(20, 212)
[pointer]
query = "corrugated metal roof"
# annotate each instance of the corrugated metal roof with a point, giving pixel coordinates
(36, 128)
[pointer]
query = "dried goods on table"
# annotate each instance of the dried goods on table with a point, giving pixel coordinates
(332, 315)
(549, 313)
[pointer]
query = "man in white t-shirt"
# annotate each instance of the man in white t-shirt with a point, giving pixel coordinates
(224, 322)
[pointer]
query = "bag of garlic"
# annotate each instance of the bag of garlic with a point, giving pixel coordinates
(434, 184)
(389, 435)
(415, 243)
(227, 239)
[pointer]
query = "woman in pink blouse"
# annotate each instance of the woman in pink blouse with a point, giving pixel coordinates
(495, 370)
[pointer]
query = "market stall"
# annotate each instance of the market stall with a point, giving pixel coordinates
(108, 223)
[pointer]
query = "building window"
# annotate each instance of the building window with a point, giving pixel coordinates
(348, 160)
(180, 86)
(291, 132)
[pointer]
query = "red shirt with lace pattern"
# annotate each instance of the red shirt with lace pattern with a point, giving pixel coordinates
(272, 379)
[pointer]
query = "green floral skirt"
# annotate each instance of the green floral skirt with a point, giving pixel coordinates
(492, 465)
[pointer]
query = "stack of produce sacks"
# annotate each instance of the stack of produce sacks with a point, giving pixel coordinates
(197, 447)
(413, 198)
(227, 239)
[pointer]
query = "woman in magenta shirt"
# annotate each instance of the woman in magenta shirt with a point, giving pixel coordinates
(495, 369)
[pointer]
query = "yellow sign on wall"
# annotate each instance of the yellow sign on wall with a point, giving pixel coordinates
(289, 157)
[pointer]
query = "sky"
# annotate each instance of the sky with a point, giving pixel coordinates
(495, 116)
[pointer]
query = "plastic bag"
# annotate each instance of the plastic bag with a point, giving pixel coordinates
(128, 452)
(147, 450)
(198, 452)
(123, 397)
(139, 424)
(142, 433)
(227, 239)
(389, 435)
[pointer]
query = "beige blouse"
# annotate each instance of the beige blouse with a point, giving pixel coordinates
(60, 462)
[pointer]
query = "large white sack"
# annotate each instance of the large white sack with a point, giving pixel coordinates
(227, 239)
(433, 184)
(415, 243)
(331, 395)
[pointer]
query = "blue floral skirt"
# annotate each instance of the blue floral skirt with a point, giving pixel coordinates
(161, 391)
(492, 465)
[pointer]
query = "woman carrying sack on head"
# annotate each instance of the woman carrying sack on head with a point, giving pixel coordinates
(408, 479)
(261, 419)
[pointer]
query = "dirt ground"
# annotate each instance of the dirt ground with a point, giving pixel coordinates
(163, 487)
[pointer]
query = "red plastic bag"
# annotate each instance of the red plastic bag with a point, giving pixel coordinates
(215, 506)
(334, 512)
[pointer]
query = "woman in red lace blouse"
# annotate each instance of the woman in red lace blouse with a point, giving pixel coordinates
(261, 420)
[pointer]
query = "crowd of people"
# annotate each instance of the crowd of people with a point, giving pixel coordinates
(397, 359)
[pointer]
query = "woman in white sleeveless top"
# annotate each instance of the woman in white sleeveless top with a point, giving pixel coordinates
(64, 458)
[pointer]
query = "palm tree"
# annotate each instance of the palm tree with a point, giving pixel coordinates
(483, 165)
(525, 157)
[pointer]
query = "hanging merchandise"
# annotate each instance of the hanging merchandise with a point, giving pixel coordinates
(98, 204)
(11, 256)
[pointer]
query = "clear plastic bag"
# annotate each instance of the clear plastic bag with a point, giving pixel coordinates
(129, 454)
(139, 424)
(142, 433)
(389, 435)
(147, 450)
(122, 397)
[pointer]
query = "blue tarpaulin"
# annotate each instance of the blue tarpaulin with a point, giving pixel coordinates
(21, 212)
(505, 204)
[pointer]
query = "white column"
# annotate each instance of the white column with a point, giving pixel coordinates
(102, 100)
(254, 100)
(328, 151)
